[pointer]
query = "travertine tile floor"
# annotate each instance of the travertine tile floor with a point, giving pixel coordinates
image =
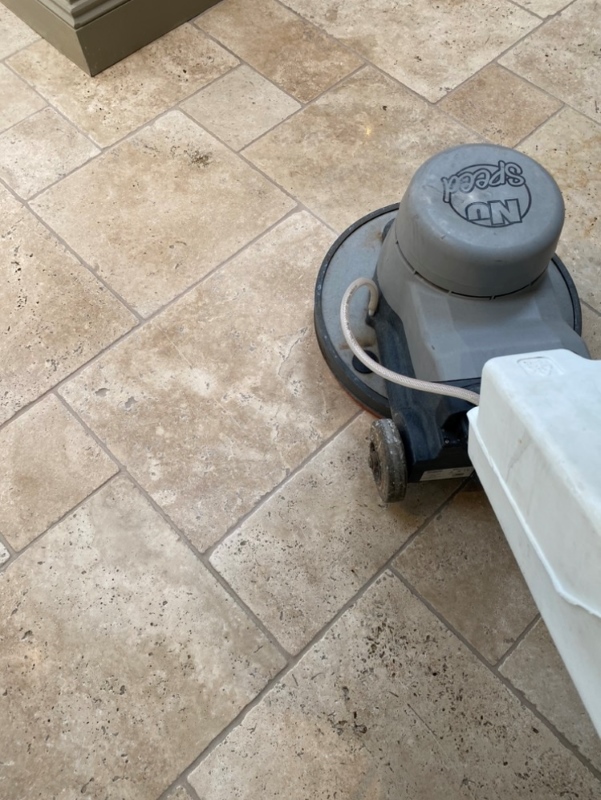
(201, 595)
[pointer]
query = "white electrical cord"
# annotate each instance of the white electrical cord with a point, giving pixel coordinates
(378, 369)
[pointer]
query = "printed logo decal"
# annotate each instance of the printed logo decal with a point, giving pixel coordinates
(538, 366)
(491, 195)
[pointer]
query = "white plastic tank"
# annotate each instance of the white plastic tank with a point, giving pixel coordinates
(535, 442)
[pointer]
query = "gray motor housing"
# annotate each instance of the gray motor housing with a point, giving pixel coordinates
(465, 264)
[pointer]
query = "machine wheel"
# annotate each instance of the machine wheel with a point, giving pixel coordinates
(387, 460)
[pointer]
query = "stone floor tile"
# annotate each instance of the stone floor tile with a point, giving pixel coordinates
(55, 315)
(214, 402)
(4, 554)
(315, 543)
(356, 148)
(204, 202)
(544, 8)
(50, 464)
(14, 33)
(569, 146)
(591, 331)
(430, 47)
(562, 57)
(121, 657)
(536, 668)
(500, 106)
(41, 150)
(282, 47)
(240, 107)
(462, 564)
(391, 705)
(125, 96)
(18, 100)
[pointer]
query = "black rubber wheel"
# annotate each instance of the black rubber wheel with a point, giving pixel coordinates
(387, 460)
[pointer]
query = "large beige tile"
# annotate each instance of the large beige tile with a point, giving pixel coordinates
(562, 57)
(462, 564)
(544, 8)
(500, 106)
(120, 99)
(18, 100)
(356, 148)
(160, 210)
(121, 656)
(313, 545)
(55, 315)
(284, 48)
(430, 47)
(536, 668)
(390, 705)
(41, 150)
(14, 33)
(240, 107)
(50, 464)
(569, 146)
(217, 399)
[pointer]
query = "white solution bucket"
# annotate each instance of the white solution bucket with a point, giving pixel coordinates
(535, 442)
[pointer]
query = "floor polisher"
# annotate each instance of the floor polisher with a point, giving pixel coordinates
(412, 300)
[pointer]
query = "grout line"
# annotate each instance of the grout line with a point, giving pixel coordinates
(280, 486)
(517, 693)
(143, 323)
(295, 659)
(27, 117)
(57, 237)
(12, 553)
(59, 384)
(595, 311)
(62, 518)
(335, 42)
(415, 93)
(523, 8)
(517, 641)
(51, 104)
(243, 62)
(535, 130)
(521, 39)
(179, 783)
(366, 63)
(191, 790)
(173, 106)
(72, 413)
(188, 290)
(124, 471)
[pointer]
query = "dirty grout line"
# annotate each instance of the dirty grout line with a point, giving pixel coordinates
(280, 486)
(141, 321)
(18, 553)
(294, 660)
(124, 471)
(517, 642)
(244, 63)
(12, 553)
(595, 311)
(179, 783)
(26, 204)
(104, 148)
(535, 130)
(519, 695)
